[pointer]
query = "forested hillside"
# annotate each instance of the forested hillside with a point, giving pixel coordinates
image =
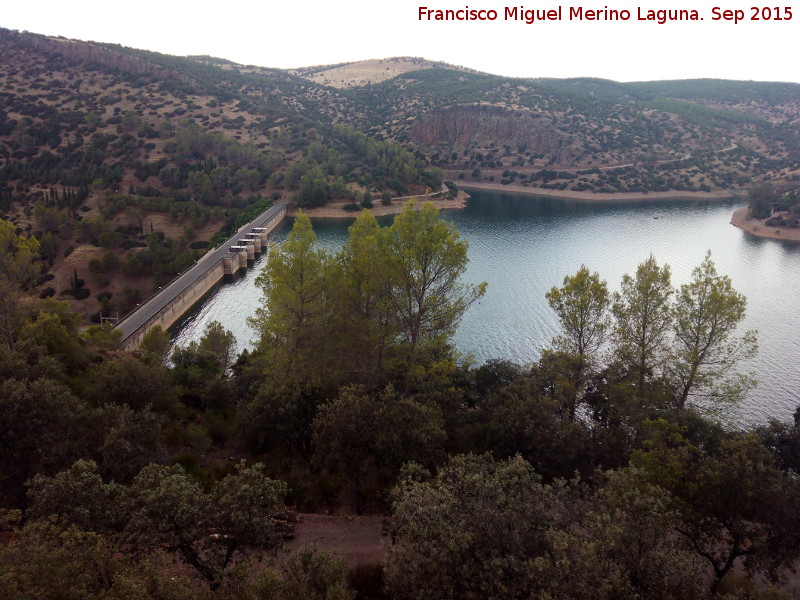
(127, 164)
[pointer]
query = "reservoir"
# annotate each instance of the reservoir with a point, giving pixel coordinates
(522, 246)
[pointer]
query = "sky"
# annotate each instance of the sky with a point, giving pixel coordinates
(290, 34)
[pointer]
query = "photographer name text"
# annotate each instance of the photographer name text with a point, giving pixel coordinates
(664, 16)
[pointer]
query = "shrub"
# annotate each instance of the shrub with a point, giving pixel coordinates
(128, 244)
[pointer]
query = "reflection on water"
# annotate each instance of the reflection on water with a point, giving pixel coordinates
(523, 246)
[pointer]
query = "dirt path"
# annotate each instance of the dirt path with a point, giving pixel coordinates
(359, 539)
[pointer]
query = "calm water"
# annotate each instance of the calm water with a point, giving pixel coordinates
(523, 246)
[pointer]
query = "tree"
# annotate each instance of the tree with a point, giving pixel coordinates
(294, 310)
(130, 120)
(42, 423)
(426, 258)
(164, 508)
(783, 440)
(78, 497)
(761, 199)
(221, 343)
(18, 255)
(735, 504)
(132, 440)
(367, 437)
(363, 322)
(128, 380)
(706, 314)
(279, 416)
(43, 560)
(643, 319)
(618, 544)
(523, 418)
(469, 533)
(12, 312)
(313, 188)
(103, 337)
(392, 291)
(156, 345)
(581, 305)
(52, 327)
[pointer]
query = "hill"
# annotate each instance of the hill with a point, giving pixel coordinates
(126, 164)
(368, 72)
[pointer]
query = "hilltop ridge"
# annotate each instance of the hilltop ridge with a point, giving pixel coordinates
(127, 163)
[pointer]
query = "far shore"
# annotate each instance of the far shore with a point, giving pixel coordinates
(334, 210)
(599, 197)
(757, 227)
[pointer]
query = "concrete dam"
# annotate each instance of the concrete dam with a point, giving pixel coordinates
(172, 301)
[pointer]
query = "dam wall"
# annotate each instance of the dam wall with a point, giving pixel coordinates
(172, 301)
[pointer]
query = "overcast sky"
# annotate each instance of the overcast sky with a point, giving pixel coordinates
(296, 33)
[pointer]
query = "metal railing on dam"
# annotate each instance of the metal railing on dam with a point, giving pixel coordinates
(172, 301)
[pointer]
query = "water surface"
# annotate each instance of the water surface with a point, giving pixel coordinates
(522, 246)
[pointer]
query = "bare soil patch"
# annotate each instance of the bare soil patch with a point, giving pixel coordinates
(359, 539)
(757, 227)
(365, 72)
(598, 197)
(335, 210)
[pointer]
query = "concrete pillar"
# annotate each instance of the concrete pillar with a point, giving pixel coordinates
(249, 249)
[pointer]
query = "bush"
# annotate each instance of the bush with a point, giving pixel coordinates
(128, 244)
(47, 293)
(351, 207)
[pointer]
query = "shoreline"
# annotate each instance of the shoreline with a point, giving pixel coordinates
(334, 210)
(757, 227)
(599, 198)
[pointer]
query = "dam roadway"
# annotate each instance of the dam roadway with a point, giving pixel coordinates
(173, 300)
